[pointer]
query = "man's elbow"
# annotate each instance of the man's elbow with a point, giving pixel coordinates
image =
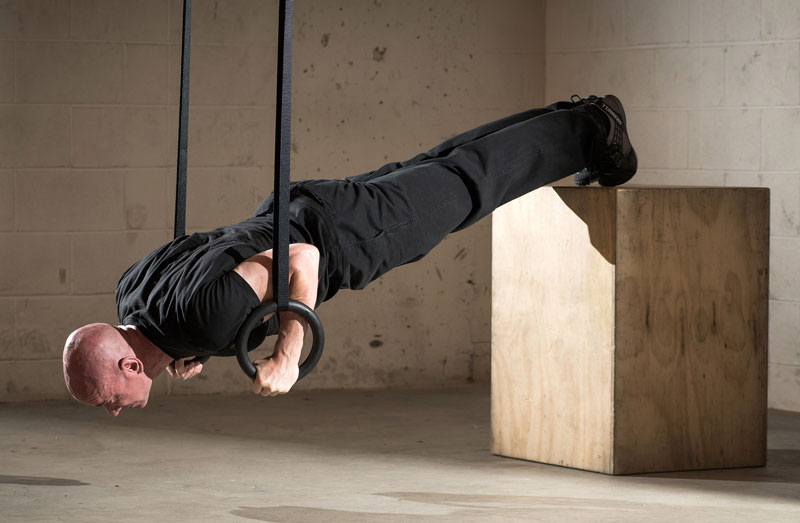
(306, 253)
(303, 262)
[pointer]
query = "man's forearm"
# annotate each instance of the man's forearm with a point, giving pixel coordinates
(303, 284)
(289, 344)
(279, 372)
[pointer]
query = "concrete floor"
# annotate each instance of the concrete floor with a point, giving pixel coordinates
(361, 457)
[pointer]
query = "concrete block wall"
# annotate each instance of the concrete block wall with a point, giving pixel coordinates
(712, 90)
(88, 125)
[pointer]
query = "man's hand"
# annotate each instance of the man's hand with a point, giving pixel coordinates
(275, 375)
(185, 369)
(278, 373)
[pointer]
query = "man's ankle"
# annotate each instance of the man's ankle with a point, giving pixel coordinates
(600, 117)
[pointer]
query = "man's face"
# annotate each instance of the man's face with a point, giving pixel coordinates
(126, 393)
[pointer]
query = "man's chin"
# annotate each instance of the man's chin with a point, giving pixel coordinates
(142, 404)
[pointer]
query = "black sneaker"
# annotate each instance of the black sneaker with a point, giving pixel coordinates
(618, 163)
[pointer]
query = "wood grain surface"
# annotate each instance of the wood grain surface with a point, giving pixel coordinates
(691, 329)
(629, 328)
(553, 329)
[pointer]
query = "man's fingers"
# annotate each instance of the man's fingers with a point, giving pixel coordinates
(191, 371)
(270, 382)
(256, 381)
(184, 369)
(266, 392)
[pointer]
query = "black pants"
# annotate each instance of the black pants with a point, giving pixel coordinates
(398, 213)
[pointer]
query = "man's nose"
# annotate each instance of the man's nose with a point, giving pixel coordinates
(112, 411)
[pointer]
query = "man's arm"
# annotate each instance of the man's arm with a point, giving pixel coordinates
(278, 373)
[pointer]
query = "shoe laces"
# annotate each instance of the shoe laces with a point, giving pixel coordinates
(576, 98)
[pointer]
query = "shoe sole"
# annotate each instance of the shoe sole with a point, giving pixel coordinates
(586, 177)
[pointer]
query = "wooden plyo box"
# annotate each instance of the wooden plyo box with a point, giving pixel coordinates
(629, 328)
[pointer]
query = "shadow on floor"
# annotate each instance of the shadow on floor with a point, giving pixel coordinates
(40, 481)
(498, 508)
(489, 513)
(783, 466)
(449, 428)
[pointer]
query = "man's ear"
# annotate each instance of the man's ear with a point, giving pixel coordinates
(132, 365)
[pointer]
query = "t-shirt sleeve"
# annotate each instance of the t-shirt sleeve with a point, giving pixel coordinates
(216, 310)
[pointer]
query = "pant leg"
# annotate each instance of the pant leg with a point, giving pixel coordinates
(440, 150)
(398, 217)
(518, 159)
(447, 146)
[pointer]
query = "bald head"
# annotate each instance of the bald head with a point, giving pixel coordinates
(112, 367)
(91, 361)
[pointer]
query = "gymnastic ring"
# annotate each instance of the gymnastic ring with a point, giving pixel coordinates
(257, 316)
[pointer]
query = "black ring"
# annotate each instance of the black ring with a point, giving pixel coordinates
(257, 316)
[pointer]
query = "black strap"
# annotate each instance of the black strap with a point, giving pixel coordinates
(183, 135)
(183, 125)
(280, 211)
(283, 118)
(280, 263)
(283, 122)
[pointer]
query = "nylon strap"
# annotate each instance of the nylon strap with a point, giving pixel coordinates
(280, 211)
(283, 119)
(183, 125)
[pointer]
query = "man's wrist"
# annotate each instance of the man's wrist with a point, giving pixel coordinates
(291, 324)
(286, 357)
(289, 344)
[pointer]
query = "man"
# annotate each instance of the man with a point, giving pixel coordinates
(189, 297)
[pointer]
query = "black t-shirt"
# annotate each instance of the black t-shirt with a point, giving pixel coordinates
(186, 298)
